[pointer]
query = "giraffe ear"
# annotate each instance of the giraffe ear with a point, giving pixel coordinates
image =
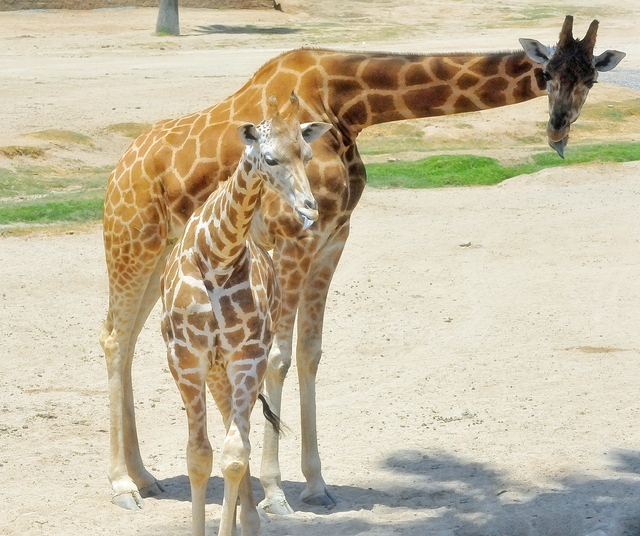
(248, 133)
(608, 60)
(536, 50)
(312, 131)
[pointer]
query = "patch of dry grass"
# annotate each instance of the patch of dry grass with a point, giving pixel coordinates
(13, 151)
(128, 130)
(62, 136)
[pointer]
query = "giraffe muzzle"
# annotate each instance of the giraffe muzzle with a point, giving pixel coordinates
(559, 145)
(306, 209)
(558, 136)
(307, 217)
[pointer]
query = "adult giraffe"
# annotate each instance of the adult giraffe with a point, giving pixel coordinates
(171, 169)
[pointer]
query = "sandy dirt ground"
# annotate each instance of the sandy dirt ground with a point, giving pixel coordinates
(481, 357)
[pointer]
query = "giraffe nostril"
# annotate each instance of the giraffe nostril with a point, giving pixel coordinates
(311, 204)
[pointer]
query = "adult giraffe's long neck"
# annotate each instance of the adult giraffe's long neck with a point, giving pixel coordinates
(368, 89)
(225, 218)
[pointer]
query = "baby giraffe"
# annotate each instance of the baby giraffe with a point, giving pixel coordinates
(221, 301)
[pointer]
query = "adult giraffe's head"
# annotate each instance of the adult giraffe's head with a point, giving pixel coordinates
(570, 70)
(279, 150)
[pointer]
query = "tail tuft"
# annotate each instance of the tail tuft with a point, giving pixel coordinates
(271, 416)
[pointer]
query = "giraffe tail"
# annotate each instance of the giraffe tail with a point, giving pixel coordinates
(275, 421)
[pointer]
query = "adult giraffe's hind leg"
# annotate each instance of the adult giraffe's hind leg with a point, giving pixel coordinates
(127, 314)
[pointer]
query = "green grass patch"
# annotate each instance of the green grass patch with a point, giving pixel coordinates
(70, 210)
(39, 194)
(469, 170)
(437, 171)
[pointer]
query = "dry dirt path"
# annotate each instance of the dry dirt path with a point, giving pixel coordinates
(480, 374)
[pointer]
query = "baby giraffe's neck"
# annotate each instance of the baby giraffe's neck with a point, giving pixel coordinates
(225, 219)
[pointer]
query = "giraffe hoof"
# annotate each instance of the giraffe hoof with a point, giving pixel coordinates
(279, 507)
(152, 490)
(324, 498)
(129, 501)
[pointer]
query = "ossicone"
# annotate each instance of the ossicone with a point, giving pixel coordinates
(590, 37)
(273, 106)
(566, 33)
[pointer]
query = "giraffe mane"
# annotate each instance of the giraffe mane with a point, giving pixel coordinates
(399, 54)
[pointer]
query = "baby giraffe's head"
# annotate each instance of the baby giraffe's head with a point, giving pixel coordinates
(279, 151)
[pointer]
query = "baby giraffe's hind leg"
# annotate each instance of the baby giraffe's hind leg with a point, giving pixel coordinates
(236, 412)
(234, 463)
(249, 517)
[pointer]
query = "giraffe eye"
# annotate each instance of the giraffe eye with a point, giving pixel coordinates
(270, 160)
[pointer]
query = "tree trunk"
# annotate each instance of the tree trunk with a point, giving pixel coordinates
(168, 20)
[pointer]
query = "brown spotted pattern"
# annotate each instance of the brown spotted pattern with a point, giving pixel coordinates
(220, 300)
(172, 169)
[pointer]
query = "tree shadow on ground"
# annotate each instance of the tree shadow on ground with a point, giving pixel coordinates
(454, 497)
(245, 30)
(473, 499)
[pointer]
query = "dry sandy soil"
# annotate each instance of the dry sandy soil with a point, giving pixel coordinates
(479, 374)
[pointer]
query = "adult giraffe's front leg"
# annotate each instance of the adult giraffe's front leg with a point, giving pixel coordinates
(278, 365)
(305, 290)
(308, 353)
